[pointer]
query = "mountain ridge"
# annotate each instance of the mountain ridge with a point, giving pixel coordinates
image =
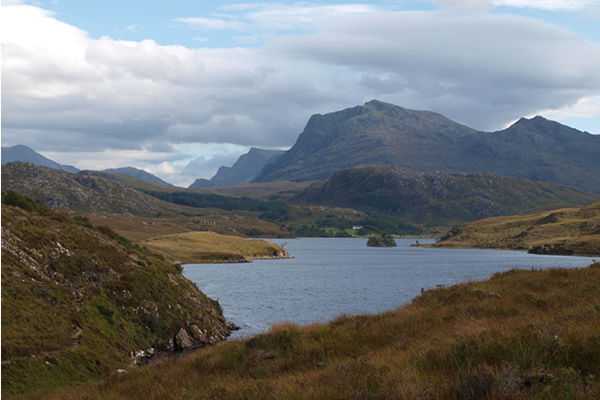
(243, 171)
(385, 134)
(137, 174)
(438, 198)
(23, 153)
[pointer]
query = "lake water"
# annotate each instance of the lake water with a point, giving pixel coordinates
(333, 276)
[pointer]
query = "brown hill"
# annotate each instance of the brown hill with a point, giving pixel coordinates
(438, 198)
(564, 231)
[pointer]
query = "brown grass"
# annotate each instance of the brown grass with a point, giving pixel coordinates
(564, 231)
(138, 228)
(203, 247)
(519, 335)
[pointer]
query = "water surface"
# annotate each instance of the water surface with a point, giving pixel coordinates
(333, 276)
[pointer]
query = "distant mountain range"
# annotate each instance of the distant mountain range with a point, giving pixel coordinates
(438, 198)
(137, 174)
(25, 154)
(22, 153)
(80, 191)
(243, 171)
(385, 134)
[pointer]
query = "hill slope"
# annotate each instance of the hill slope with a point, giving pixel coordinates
(564, 231)
(385, 134)
(438, 198)
(137, 174)
(79, 192)
(78, 302)
(519, 335)
(243, 171)
(23, 153)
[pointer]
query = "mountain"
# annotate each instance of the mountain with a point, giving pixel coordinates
(563, 231)
(80, 191)
(244, 170)
(137, 174)
(385, 134)
(25, 154)
(80, 302)
(438, 198)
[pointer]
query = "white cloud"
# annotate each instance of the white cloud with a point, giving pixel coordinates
(214, 24)
(67, 93)
(585, 107)
(569, 5)
(552, 5)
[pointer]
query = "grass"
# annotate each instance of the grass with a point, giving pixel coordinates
(139, 228)
(519, 335)
(206, 247)
(77, 299)
(569, 231)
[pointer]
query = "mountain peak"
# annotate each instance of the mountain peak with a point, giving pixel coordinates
(379, 103)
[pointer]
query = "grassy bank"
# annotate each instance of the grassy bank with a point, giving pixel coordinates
(80, 302)
(519, 335)
(210, 247)
(568, 231)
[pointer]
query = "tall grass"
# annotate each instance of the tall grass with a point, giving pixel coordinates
(519, 335)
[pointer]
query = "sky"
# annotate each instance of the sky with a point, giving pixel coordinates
(179, 88)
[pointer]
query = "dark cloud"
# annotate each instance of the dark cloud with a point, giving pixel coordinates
(66, 92)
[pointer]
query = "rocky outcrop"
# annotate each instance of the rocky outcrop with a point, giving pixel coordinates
(86, 299)
(79, 191)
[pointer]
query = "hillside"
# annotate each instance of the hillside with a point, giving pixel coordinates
(243, 171)
(564, 231)
(438, 198)
(519, 335)
(137, 174)
(210, 247)
(23, 153)
(80, 192)
(80, 302)
(385, 134)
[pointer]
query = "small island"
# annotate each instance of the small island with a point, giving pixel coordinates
(381, 240)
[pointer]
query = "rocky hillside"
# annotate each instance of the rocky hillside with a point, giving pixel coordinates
(568, 231)
(23, 153)
(243, 171)
(80, 302)
(137, 174)
(438, 198)
(80, 191)
(385, 134)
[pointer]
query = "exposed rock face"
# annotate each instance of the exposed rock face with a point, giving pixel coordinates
(385, 134)
(183, 341)
(80, 191)
(25, 154)
(244, 170)
(137, 174)
(438, 198)
(88, 299)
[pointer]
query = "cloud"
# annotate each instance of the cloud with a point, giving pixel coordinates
(551, 5)
(480, 69)
(73, 95)
(213, 24)
(555, 5)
